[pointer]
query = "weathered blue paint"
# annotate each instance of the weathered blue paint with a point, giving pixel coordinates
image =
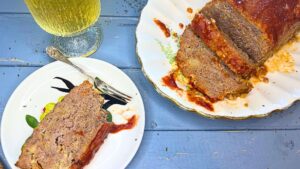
(174, 138)
(23, 42)
(109, 7)
(219, 150)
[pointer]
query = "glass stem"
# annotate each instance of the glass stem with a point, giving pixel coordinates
(82, 44)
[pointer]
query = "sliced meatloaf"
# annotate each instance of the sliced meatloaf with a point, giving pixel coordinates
(222, 45)
(68, 137)
(258, 27)
(205, 70)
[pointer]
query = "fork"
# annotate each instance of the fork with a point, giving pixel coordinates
(99, 84)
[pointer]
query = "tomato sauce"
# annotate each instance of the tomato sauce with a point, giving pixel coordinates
(192, 96)
(170, 82)
(189, 10)
(163, 27)
(129, 125)
(181, 25)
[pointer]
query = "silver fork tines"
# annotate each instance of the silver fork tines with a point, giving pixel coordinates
(111, 91)
(99, 84)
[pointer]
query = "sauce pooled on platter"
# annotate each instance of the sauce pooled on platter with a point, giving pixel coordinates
(170, 82)
(192, 94)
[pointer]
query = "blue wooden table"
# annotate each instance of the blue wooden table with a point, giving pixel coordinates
(173, 138)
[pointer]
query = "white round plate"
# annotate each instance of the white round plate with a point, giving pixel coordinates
(35, 92)
(282, 90)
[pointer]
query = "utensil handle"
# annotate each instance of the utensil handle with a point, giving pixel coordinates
(57, 55)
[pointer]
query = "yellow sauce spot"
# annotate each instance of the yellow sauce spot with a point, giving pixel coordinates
(237, 103)
(254, 80)
(282, 61)
(47, 109)
(181, 78)
(60, 99)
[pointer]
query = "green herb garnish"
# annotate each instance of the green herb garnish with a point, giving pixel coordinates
(109, 117)
(32, 121)
(168, 51)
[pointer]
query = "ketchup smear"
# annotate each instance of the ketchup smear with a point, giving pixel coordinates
(170, 82)
(129, 125)
(199, 101)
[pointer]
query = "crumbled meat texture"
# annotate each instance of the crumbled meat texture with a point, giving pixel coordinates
(276, 18)
(258, 27)
(206, 71)
(243, 34)
(221, 44)
(70, 134)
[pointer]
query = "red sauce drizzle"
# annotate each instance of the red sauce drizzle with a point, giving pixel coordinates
(99, 139)
(163, 27)
(169, 81)
(191, 94)
(129, 125)
(93, 147)
(189, 10)
(181, 25)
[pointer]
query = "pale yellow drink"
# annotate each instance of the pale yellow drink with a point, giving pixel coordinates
(64, 17)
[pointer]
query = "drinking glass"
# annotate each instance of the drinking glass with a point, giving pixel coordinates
(72, 22)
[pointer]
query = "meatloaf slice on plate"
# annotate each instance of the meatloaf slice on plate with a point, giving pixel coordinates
(69, 135)
(258, 27)
(222, 45)
(205, 70)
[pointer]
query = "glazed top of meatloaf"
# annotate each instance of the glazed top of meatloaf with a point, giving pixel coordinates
(70, 134)
(275, 17)
(208, 75)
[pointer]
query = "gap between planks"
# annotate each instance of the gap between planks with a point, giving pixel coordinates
(222, 130)
(102, 16)
(41, 65)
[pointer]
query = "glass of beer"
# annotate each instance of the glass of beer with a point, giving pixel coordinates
(72, 22)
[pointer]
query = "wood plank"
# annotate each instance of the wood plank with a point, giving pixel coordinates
(109, 7)
(218, 150)
(161, 114)
(23, 43)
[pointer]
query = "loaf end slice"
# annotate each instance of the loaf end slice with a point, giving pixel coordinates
(257, 27)
(207, 73)
(68, 136)
(237, 60)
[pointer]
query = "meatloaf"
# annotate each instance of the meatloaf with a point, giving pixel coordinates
(207, 73)
(69, 136)
(258, 27)
(222, 45)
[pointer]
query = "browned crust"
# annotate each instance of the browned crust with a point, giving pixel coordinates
(274, 17)
(226, 83)
(99, 132)
(93, 147)
(211, 35)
